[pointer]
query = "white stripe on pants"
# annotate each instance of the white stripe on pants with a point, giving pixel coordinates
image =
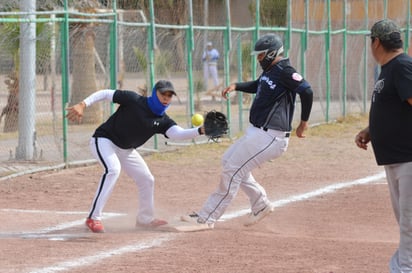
(247, 153)
(113, 159)
(399, 178)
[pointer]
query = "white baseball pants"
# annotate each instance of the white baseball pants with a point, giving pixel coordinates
(113, 159)
(399, 178)
(210, 71)
(249, 152)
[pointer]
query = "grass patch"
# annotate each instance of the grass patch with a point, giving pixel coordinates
(343, 125)
(194, 152)
(341, 128)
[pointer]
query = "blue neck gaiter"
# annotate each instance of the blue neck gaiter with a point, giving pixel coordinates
(155, 105)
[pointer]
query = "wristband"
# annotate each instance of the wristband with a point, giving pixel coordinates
(199, 130)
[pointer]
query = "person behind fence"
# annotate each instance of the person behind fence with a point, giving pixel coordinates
(265, 139)
(210, 57)
(390, 130)
(115, 141)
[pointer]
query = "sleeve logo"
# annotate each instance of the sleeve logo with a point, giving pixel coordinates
(297, 77)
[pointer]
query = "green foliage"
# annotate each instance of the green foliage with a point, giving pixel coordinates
(198, 85)
(163, 60)
(10, 32)
(246, 60)
(141, 58)
(272, 12)
(166, 11)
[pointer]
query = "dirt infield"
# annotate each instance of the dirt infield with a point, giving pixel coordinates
(332, 214)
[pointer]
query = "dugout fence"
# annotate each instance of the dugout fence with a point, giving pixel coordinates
(56, 53)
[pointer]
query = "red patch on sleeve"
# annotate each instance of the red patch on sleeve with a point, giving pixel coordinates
(297, 77)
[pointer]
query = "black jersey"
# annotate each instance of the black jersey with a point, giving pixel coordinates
(276, 89)
(390, 119)
(133, 123)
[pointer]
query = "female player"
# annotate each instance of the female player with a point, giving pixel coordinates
(115, 141)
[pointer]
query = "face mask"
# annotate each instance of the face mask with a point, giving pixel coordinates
(155, 105)
(265, 63)
(269, 57)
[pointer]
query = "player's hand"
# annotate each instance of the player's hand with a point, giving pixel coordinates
(227, 90)
(75, 112)
(303, 125)
(363, 138)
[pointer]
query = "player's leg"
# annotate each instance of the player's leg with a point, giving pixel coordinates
(256, 193)
(135, 167)
(232, 149)
(104, 151)
(252, 150)
(215, 76)
(205, 75)
(260, 205)
(222, 190)
(259, 202)
(401, 175)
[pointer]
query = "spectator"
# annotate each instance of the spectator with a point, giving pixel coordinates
(210, 58)
(390, 131)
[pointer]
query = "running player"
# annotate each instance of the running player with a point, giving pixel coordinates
(267, 136)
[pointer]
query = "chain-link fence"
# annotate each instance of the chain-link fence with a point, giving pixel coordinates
(76, 50)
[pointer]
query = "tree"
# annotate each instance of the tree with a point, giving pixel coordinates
(10, 112)
(10, 33)
(170, 12)
(82, 37)
(272, 12)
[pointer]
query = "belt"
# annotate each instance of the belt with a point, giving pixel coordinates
(287, 134)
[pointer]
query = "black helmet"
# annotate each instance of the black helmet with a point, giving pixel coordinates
(271, 45)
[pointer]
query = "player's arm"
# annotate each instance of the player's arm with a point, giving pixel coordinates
(178, 133)
(306, 99)
(294, 81)
(247, 87)
(215, 55)
(75, 112)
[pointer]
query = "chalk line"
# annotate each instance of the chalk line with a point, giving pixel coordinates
(158, 241)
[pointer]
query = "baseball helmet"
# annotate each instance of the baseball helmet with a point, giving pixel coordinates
(271, 45)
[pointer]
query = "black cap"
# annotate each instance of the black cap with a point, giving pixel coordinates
(164, 86)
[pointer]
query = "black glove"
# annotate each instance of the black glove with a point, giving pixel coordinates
(215, 125)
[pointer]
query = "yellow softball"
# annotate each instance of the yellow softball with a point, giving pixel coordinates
(197, 120)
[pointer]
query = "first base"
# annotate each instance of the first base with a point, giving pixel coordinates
(185, 228)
